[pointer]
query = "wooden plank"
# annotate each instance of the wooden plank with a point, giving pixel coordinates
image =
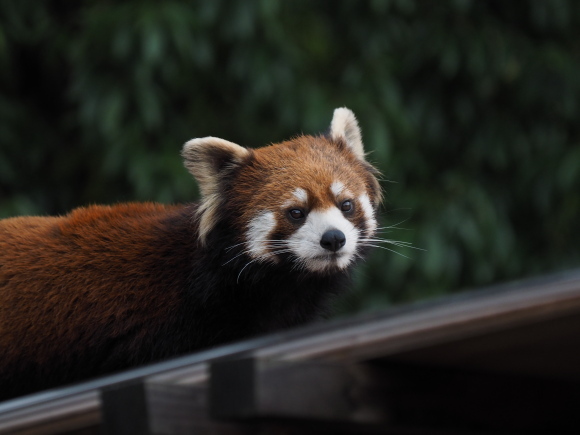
(145, 408)
(548, 348)
(66, 414)
(249, 389)
(391, 398)
(448, 320)
(75, 408)
(179, 409)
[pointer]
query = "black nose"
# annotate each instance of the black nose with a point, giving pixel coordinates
(333, 240)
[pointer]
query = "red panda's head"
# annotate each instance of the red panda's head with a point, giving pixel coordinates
(310, 201)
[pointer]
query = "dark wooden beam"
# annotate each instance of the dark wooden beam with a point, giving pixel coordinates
(149, 408)
(391, 398)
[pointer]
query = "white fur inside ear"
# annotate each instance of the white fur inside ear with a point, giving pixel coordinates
(345, 126)
(205, 157)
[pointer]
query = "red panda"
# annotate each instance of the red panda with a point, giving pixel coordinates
(105, 288)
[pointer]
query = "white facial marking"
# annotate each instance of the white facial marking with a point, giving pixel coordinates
(301, 195)
(336, 188)
(300, 198)
(369, 213)
(258, 233)
(305, 243)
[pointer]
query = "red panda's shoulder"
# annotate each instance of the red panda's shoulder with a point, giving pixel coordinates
(119, 212)
(120, 221)
(91, 213)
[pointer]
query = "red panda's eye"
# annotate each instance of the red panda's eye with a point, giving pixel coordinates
(346, 206)
(296, 213)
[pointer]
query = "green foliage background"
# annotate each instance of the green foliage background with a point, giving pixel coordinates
(471, 110)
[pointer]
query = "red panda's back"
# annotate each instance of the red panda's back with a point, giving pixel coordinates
(65, 281)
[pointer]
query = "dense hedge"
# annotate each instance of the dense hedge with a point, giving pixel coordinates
(471, 109)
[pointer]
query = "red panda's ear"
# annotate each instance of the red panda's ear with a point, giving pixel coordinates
(210, 159)
(345, 126)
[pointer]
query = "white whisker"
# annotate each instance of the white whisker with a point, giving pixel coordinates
(246, 265)
(382, 247)
(399, 243)
(260, 259)
(233, 246)
(236, 256)
(271, 243)
(258, 240)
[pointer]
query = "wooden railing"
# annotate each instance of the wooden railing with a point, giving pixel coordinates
(499, 360)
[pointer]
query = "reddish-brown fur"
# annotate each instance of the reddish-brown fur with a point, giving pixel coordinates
(109, 287)
(306, 162)
(68, 283)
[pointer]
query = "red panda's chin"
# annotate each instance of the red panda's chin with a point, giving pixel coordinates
(328, 263)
